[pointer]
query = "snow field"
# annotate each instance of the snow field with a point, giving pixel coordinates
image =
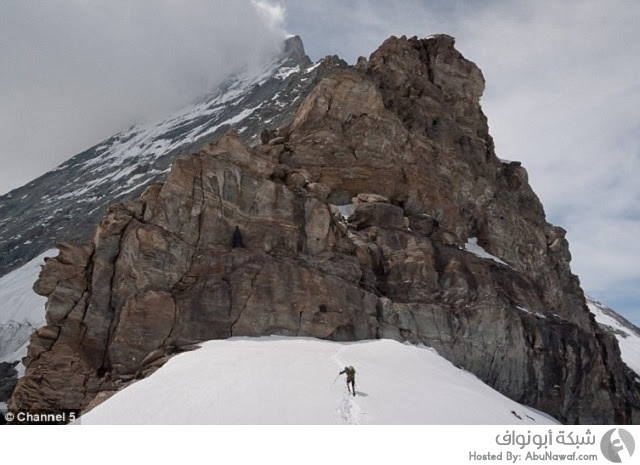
(276, 380)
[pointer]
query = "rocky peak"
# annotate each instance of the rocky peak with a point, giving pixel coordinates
(413, 71)
(381, 211)
(294, 49)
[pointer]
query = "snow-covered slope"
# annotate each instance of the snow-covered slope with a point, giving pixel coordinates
(21, 309)
(627, 333)
(275, 380)
(21, 312)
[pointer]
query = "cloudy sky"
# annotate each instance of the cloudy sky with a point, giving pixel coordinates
(562, 96)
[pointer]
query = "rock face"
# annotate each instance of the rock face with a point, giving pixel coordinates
(8, 380)
(356, 222)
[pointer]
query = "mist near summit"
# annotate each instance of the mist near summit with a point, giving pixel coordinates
(75, 72)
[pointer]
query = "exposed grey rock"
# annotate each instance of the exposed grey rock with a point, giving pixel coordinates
(8, 380)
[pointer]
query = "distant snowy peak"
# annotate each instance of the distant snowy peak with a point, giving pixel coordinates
(120, 157)
(45, 211)
(228, 105)
(627, 333)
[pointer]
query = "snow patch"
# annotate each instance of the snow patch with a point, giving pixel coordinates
(311, 68)
(345, 210)
(536, 314)
(284, 73)
(236, 119)
(476, 249)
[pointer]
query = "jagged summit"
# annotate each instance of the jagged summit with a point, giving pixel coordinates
(294, 48)
(379, 210)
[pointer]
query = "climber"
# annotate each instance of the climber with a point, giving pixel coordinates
(351, 378)
(236, 240)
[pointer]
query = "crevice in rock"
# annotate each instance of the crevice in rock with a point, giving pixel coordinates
(202, 202)
(246, 302)
(299, 324)
(174, 325)
(115, 315)
(299, 216)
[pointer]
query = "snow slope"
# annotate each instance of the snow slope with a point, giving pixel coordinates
(21, 309)
(276, 380)
(628, 334)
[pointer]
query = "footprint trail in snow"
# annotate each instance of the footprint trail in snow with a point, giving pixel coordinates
(350, 412)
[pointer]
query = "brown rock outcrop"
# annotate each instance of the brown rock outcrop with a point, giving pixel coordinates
(404, 135)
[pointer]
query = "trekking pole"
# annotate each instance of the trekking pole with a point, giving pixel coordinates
(334, 381)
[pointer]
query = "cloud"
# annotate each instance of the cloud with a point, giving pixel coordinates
(272, 13)
(75, 72)
(562, 96)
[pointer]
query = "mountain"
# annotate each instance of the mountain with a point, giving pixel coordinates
(47, 210)
(291, 381)
(627, 334)
(381, 211)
